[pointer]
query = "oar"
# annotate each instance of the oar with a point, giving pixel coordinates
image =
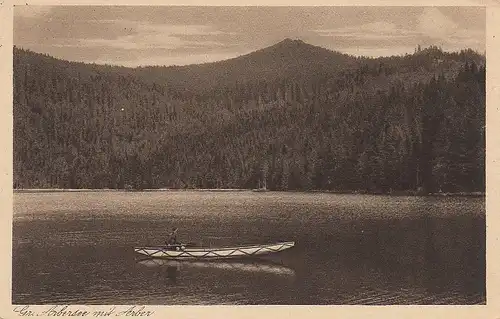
(191, 244)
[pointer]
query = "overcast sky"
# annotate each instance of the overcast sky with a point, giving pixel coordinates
(135, 36)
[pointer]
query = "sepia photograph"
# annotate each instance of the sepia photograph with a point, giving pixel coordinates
(260, 155)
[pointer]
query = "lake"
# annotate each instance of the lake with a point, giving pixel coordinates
(77, 248)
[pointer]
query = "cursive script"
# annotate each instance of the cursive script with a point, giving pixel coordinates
(76, 311)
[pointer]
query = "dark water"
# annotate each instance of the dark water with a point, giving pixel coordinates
(77, 248)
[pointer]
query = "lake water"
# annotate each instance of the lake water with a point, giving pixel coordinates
(77, 248)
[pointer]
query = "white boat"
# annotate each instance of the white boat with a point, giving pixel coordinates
(182, 252)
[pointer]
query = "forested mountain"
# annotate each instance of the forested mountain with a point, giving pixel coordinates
(299, 116)
(291, 59)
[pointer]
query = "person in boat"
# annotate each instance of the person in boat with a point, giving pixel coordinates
(172, 238)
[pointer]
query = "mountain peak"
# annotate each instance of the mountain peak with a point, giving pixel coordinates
(288, 41)
(292, 45)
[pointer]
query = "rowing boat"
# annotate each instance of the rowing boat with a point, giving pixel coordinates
(182, 252)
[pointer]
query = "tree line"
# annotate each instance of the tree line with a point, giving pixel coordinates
(391, 124)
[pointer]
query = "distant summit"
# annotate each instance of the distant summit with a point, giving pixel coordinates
(286, 59)
(292, 47)
(291, 59)
(288, 41)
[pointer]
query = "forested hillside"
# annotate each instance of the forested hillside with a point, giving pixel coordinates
(299, 116)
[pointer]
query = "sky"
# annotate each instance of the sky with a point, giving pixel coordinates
(175, 35)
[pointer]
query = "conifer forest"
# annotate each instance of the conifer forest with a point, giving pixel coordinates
(292, 116)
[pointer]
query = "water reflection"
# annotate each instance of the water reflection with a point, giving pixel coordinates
(172, 274)
(253, 266)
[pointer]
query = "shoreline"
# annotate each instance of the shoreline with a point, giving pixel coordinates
(229, 190)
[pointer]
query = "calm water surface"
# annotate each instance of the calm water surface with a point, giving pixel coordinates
(77, 248)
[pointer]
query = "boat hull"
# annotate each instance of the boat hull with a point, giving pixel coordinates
(213, 253)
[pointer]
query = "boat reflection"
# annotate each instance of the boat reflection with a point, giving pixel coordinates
(246, 266)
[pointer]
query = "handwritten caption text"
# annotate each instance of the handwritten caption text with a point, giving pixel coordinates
(75, 311)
